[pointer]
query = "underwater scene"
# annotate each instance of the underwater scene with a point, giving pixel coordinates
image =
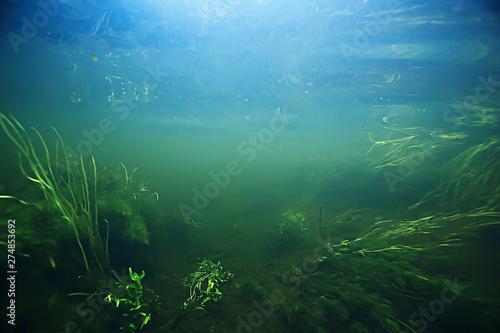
(250, 166)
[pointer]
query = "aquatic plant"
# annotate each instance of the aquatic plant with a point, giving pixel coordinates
(135, 302)
(337, 250)
(432, 233)
(350, 292)
(128, 177)
(475, 175)
(71, 193)
(141, 190)
(472, 180)
(484, 114)
(292, 225)
(204, 283)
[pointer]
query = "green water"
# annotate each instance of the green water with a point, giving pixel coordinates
(238, 179)
(229, 166)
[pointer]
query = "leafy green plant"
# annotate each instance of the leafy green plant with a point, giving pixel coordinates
(292, 225)
(134, 301)
(204, 283)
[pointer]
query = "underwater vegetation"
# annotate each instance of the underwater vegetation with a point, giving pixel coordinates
(75, 197)
(71, 202)
(72, 191)
(204, 283)
(250, 166)
(421, 254)
(132, 299)
(292, 226)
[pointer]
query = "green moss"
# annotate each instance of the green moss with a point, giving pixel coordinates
(136, 232)
(292, 226)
